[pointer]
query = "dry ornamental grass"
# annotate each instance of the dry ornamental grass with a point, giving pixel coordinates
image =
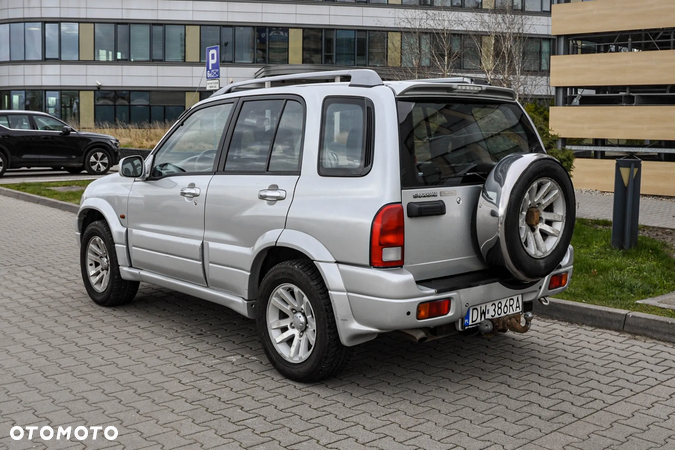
(145, 137)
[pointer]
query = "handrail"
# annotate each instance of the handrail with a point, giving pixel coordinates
(358, 78)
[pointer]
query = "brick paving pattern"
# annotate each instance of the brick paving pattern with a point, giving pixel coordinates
(170, 371)
(654, 211)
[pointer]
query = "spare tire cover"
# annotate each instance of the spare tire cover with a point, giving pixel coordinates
(525, 216)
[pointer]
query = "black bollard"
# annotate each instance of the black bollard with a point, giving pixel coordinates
(626, 202)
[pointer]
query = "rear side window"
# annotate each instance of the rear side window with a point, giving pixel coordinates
(445, 143)
(346, 137)
(19, 122)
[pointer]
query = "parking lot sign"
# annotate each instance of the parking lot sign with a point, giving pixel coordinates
(213, 62)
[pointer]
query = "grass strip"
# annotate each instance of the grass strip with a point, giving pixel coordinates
(614, 278)
(44, 189)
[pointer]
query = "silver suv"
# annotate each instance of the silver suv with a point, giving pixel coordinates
(331, 212)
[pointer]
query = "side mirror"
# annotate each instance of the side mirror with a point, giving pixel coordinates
(132, 167)
(66, 130)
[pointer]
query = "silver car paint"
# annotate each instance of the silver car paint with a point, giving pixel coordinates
(330, 220)
(166, 230)
(238, 225)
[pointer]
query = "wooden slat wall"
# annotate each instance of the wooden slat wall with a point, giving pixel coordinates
(614, 15)
(614, 122)
(614, 69)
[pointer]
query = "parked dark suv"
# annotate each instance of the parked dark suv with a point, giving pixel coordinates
(36, 139)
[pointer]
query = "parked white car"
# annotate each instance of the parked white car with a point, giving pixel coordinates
(332, 212)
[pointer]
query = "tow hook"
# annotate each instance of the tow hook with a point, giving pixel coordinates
(508, 323)
(544, 301)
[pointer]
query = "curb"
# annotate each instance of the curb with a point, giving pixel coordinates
(655, 327)
(64, 206)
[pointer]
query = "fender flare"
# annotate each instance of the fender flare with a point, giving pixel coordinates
(119, 231)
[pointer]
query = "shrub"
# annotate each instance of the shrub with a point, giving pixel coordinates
(539, 113)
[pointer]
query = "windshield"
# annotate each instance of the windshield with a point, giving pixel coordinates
(459, 142)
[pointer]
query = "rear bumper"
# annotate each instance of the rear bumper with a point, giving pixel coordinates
(369, 301)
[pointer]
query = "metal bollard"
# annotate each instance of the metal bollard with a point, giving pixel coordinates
(626, 203)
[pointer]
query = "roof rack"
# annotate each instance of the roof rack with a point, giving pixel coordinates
(358, 78)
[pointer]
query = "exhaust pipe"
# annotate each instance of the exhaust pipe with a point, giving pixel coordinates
(415, 334)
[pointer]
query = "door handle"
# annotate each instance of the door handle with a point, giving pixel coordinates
(272, 195)
(190, 192)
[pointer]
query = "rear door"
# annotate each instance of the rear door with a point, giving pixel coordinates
(166, 211)
(448, 146)
(249, 198)
(19, 139)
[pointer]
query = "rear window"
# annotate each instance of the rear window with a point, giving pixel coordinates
(449, 144)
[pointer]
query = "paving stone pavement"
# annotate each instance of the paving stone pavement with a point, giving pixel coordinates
(170, 371)
(654, 211)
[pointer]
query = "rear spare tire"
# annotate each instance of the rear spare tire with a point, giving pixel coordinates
(526, 214)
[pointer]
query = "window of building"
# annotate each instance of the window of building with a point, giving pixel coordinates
(377, 48)
(104, 41)
(34, 100)
(4, 37)
(140, 108)
(226, 44)
(33, 41)
(174, 43)
(329, 46)
(122, 100)
(277, 42)
(70, 106)
(470, 53)
(261, 45)
(70, 41)
(122, 51)
(345, 47)
(104, 107)
(16, 42)
(532, 56)
(244, 44)
(209, 36)
(139, 40)
(533, 5)
(311, 46)
(52, 40)
(158, 42)
(361, 48)
(53, 103)
(545, 54)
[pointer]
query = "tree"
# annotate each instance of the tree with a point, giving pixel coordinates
(539, 113)
(504, 50)
(428, 47)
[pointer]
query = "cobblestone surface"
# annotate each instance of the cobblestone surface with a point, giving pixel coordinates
(170, 371)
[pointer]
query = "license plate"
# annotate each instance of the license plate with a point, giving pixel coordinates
(492, 310)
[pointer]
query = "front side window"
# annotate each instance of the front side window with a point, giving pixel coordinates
(194, 144)
(346, 138)
(450, 143)
(45, 123)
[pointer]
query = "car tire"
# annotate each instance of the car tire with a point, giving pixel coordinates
(296, 324)
(525, 216)
(100, 269)
(97, 161)
(74, 170)
(4, 164)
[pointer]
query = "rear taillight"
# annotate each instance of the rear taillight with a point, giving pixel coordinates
(387, 237)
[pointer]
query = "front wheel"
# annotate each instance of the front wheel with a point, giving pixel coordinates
(296, 323)
(97, 161)
(100, 269)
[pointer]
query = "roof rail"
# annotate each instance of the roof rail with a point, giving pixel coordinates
(358, 78)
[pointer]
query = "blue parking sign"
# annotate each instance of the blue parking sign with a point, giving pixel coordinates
(213, 62)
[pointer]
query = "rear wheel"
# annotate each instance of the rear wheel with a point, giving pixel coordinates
(97, 161)
(296, 323)
(4, 163)
(100, 269)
